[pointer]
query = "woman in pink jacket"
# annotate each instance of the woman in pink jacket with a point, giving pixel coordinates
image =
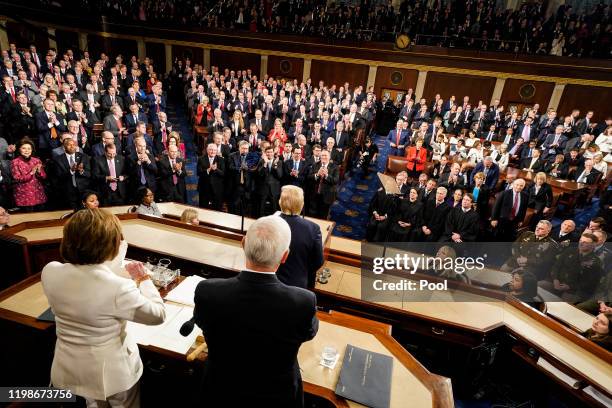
(28, 173)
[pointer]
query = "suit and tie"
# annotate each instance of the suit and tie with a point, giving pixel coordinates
(49, 132)
(211, 182)
(301, 170)
(305, 253)
(111, 192)
(324, 188)
(171, 185)
(132, 120)
(143, 174)
(70, 184)
(509, 210)
(236, 311)
(269, 178)
(400, 141)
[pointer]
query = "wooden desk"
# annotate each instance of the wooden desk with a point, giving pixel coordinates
(214, 219)
(412, 384)
(470, 322)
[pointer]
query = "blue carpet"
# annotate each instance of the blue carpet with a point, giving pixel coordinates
(180, 122)
(350, 211)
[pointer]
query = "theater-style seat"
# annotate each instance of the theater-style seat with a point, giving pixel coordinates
(395, 164)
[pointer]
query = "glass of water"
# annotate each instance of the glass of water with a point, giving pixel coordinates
(329, 355)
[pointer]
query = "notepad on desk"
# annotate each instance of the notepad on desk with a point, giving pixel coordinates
(571, 381)
(166, 335)
(184, 291)
(365, 377)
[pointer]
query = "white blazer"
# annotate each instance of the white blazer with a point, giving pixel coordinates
(94, 356)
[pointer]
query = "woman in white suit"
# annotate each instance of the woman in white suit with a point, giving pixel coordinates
(94, 356)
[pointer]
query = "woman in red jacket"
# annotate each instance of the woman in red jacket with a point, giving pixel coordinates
(417, 156)
(28, 174)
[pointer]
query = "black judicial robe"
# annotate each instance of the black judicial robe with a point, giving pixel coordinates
(410, 212)
(464, 223)
(383, 204)
(435, 219)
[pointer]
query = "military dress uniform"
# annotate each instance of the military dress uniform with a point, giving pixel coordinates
(540, 254)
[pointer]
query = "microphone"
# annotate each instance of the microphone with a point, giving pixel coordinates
(187, 327)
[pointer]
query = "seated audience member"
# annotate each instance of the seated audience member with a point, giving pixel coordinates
(557, 168)
(533, 251)
(524, 287)
(89, 200)
(586, 174)
(93, 355)
(190, 216)
(599, 333)
(444, 270)
(381, 208)
(368, 153)
(146, 199)
(306, 247)
(28, 174)
(229, 320)
(408, 217)
(533, 163)
(565, 233)
(576, 272)
(462, 222)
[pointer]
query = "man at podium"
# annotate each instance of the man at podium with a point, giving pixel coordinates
(254, 325)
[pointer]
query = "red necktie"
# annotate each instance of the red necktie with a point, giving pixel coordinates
(13, 95)
(515, 205)
(119, 127)
(164, 135)
(397, 137)
(174, 176)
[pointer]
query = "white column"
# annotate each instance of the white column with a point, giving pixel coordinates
(555, 98)
(168, 57)
(4, 42)
(371, 76)
(263, 67)
(420, 85)
(83, 41)
(142, 49)
(52, 42)
(307, 65)
(207, 59)
(498, 90)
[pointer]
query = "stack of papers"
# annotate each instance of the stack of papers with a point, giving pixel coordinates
(166, 335)
(571, 381)
(184, 291)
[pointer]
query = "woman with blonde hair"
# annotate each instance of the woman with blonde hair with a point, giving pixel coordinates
(278, 132)
(50, 83)
(540, 198)
(94, 355)
(190, 216)
(204, 112)
(599, 164)
(237, 125)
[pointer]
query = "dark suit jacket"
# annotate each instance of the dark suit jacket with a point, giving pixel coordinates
(150, 173)
(562, 169)
(305, 253)
(503, 206)
(543, 199)
(269, 181)
(129, 121)
(44, 132)
(106, 102)
(100, 171)
(237, 311)
(328, 184)
(590, 179)
(492, 175)
(63, 177)
(167, 190)
(211, 184)
(538, 165)
(435, 217)
(301, 176)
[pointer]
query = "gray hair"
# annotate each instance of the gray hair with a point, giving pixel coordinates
(266, 241)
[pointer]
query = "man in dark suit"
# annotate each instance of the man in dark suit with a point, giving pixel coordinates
(135, 116)
(236, 311)
(586, 174)
(565, 233)
(554, 143)
(324, 175)
(306, 248)
(211, 177)
(341, 137)
(142, 167)
(49, 125)
(295, 169)
(241, 179)
(110, 99)
(434, 217)
(263, 126)
(110, 172)
(527, 130)
(398, 139)
(490, 170)
(114, 124)
(509, 211)
(171, 169)
(269, 176)
(72, 173)
(533, 163)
